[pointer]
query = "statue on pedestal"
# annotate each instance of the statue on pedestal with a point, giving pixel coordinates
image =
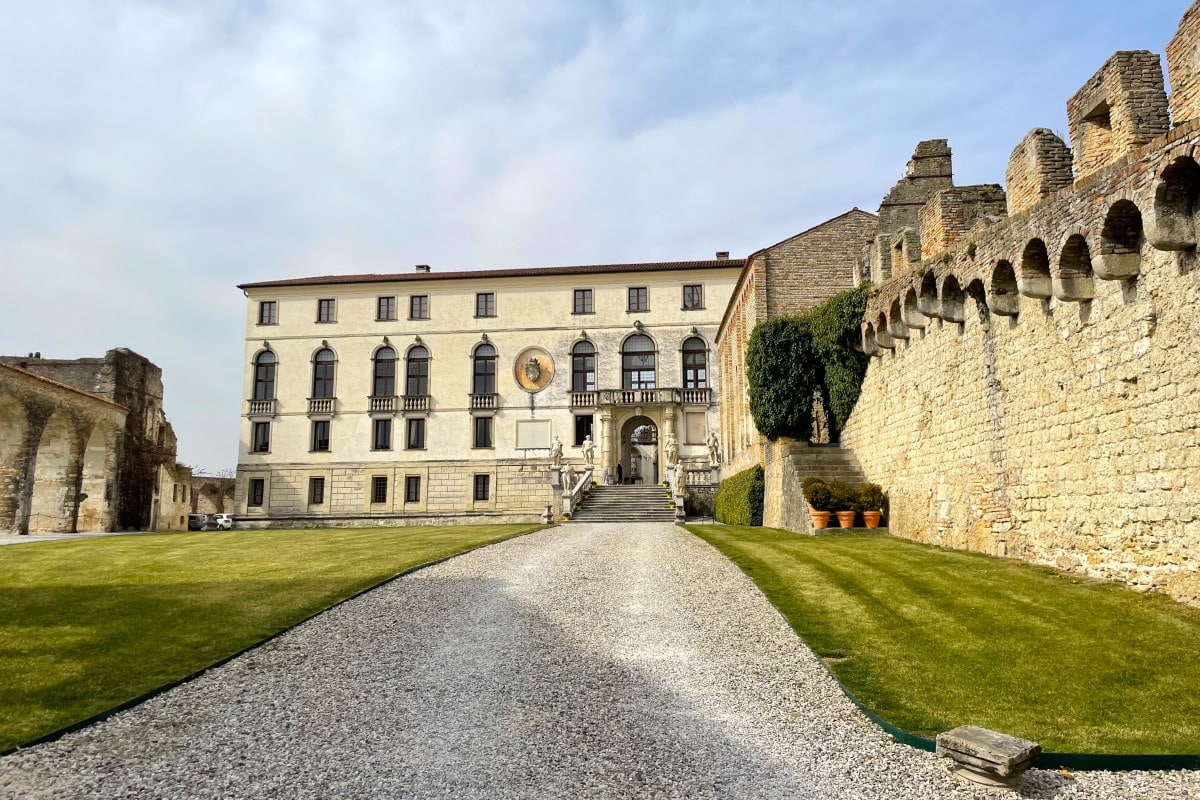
(589, 450)
(672, 450)
(714, 449)
(568, 477)
(556, 451)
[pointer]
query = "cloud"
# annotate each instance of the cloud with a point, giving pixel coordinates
(157, 154)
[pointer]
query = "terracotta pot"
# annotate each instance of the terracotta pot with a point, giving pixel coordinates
(820, 519)
(846, 518)
(871, 518)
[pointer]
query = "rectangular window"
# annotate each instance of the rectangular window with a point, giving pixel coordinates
(483, 431)
(412, 488)
(583, 428)
(382, 438)
(485, 304)
(316, 491)
(483, 487)
(258, 488)
(378, 489)
(639, 298)
(327, 310)
(320, 436)
(416, 433)
(385, 308)
(418, 306)
(268, 312)
(583, 301)
(693, 296)
(262, 437)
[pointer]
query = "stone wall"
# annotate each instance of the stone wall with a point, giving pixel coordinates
(783, 497)
(1036, 395)
(1039, 166)
(1183, 64)
(949, 214)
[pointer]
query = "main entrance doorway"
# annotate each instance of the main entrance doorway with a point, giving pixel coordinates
(639, 451)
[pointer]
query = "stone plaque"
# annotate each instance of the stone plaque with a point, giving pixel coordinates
(533, 369)
(533, 434)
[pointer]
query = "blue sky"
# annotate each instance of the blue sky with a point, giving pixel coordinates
(156, 154)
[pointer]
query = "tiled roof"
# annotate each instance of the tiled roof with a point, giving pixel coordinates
(661, 266)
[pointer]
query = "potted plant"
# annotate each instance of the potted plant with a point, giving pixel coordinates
(870, 502)
(844, 498)
(816, 492)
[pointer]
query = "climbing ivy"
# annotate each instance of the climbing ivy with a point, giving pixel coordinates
(782, 370)
(835, 333)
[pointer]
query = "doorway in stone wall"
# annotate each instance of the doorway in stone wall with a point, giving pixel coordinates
(639, 451)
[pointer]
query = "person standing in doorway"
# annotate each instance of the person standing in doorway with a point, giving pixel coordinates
(620, 475)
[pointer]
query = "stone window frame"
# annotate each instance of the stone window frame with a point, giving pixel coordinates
(485, 424)
(256, 493)
(637, 299)
(379, 490)
(315, 441)
(418, 306)
(381, 434)
(583, 301)
(327, 310)
(697, 299)
(484, 368)
(684, 352)
(268, 312)
(580, 430)
(381, 379)
(589, 379)
(266, 369)
(385, 308)
(481, 487)
(485, 305)
(413, 366)
(412, 488)
(316, 490)
(324, 374)
(411, 425)
(260, 439)
(626, 370)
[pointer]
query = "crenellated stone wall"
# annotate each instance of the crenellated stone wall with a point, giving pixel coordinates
(1122, 107)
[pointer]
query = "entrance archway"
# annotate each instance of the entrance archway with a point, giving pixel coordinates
(639, 451)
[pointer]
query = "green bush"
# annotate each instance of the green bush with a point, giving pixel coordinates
(739, 498)
(816, 491)
(870, 497)
(782, 371)
(835, 329)
(844, 496)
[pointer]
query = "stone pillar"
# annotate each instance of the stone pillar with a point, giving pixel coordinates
(36, 416)
(604, 433)
(82, 432)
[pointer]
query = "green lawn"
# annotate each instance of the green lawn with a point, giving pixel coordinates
(88, 624)
(930, 639)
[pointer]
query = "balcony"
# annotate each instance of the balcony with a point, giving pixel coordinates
(321, 406)
(482, 402)
(696, 397)
(641, 397)
(418, 402)
(262, 408)
(585, 399)
(385, 404)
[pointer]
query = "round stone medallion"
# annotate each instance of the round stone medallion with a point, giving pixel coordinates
(534, 369)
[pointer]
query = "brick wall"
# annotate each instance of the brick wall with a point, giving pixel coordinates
(1183, 66)
(1038, 167)
(950, 213)
(1120, 108)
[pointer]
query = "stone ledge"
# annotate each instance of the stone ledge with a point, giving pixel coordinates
(987, 757)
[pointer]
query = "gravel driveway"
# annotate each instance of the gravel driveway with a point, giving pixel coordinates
(581, 661)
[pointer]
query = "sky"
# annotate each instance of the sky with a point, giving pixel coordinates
(153, 155)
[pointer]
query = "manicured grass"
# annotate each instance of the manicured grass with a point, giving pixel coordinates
(930, 639)
(88, 624)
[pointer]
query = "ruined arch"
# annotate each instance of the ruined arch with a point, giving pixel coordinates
(882, 337)
(952, 300)
(55, 476)
(1073, 279)
(1003, 298)
(927, 297)
(911, 311)
(1120, 243)
(1033, 277)
(975, 299)
(896, 327)
(1175, 203)
(95, 493)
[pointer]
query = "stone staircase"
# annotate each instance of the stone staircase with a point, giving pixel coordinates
(827, 462)
(625, 504)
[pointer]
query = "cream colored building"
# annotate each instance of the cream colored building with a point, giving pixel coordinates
(428, 397)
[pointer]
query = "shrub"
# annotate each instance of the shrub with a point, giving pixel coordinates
(739, 498)
(871, 497)
(843, 496)
(782, 371)
(834, 326)
(818, 494)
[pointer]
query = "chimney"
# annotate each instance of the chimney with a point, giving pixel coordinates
(422, 268)
(722, 255)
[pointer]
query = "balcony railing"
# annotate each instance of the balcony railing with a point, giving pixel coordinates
(584, 399)
(320, 405)
(696, 397)
(262, 408)
(382, 403)
(483, 401)
(641, 397)
(418, 402)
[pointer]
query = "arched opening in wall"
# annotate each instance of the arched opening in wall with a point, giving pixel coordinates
(638, 369)
(1073, 281)
(13, 429)
(952, 305)
(639, 451)
(896, 327)
(977, 309)
(927, 297)
(324, 368)
(869, 345)
(1003, 298)
(882, 337)
(94, 503)
(913, 317)
(416, 372)
(264, 376)
(1033, 279)
(1120, 243)
(483, 370)
(1175, 203)
(52, 507)
(583, 367)
(383, 373)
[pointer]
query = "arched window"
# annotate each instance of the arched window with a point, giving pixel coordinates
(637, 363)
(417, 373)
(323, 369)
(264, 376)
(583, 367)
(384, 373)
(695, 363)
(483, 380)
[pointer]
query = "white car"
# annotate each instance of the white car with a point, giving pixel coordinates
(220, 522)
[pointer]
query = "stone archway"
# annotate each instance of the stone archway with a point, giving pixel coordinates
(639, 451)
(95, 510)
(55, 487)
(13, 429)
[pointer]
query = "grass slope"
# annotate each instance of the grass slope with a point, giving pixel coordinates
(930, 639)
(91, 623)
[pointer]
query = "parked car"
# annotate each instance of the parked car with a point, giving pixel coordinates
(221, 522)
(196, 522)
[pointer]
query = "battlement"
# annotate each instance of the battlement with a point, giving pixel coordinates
(1120, 108)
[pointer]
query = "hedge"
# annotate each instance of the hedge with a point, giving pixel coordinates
(739, 498)
(782, 372)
